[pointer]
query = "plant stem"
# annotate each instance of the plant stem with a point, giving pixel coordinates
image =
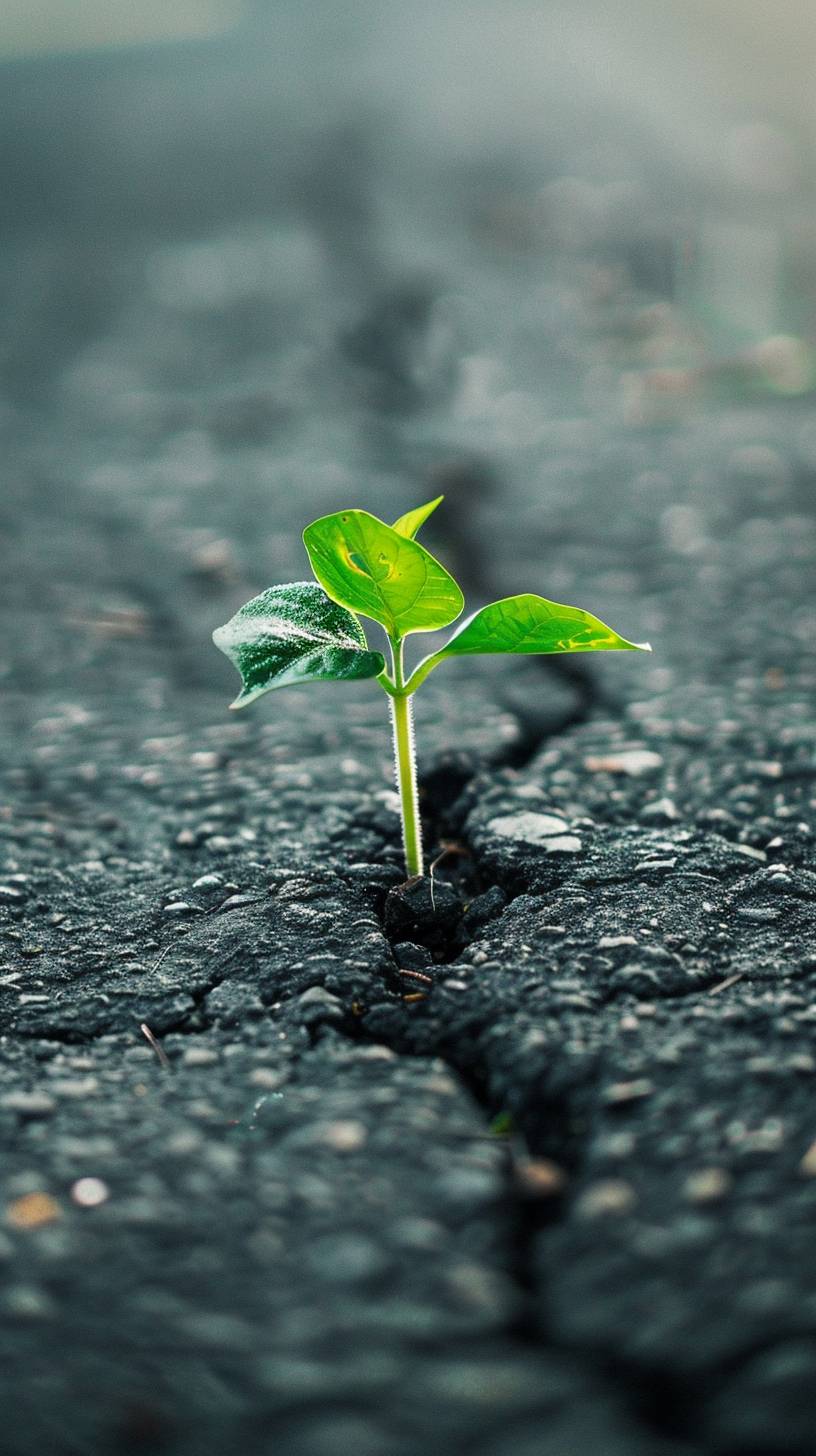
(402, 719)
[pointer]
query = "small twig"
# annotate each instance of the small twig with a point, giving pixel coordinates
(417, 976)
(164, 1060)
(165, 952)
(724, 985)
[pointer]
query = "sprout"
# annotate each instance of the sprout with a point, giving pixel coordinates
(309, 632)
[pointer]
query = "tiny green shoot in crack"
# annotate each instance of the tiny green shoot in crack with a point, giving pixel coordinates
(309, 631)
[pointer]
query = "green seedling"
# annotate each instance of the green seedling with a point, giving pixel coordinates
(310, 631)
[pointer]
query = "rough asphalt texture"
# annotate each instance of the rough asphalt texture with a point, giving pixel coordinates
(523, 1167)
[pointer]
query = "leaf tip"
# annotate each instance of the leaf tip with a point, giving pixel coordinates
(244, 698)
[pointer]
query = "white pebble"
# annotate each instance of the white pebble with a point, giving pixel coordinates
(90, 1192)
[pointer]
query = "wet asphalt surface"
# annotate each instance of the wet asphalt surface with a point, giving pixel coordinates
(520, 1165)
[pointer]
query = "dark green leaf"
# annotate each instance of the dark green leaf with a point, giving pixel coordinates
(370, 568)
(294, 634)
(528, 624)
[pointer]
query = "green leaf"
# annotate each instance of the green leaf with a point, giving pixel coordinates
(409, 524)
(527, 624)
(294, 634)
(370, 568)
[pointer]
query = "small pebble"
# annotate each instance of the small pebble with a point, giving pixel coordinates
(611, 1196)
(529, 827)
(808, 1163)
(266, 1078)
(205, 759)
(33, 1210)
(27, 1301)
(708, 1185)
(199, 1057)
(344, 1136)
(621, 1092)
(632, 761)
(28, 1104)
(78, 1087)
(660, 809)
(90, 1192)
(541, 1177)
(317, 996)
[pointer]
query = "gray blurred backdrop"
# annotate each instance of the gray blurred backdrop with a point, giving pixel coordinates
(268, 256)
(646, 169)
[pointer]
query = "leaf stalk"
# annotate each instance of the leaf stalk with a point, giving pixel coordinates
(402, 720)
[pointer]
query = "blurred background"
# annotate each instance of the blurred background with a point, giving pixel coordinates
(262, 259)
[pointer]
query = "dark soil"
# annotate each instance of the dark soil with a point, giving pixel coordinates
(522, 1164)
